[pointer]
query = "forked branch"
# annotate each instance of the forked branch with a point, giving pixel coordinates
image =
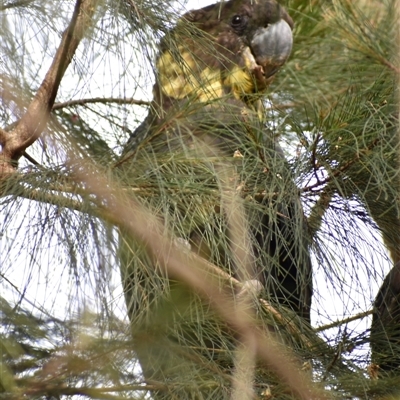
(31, 125)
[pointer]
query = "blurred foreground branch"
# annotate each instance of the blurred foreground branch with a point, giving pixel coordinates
(197, 274)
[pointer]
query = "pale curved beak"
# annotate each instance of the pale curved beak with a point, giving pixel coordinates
(271, 46)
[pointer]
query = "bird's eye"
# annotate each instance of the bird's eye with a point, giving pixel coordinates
(237, 21)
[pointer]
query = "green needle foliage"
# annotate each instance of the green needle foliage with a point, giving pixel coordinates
(82, 303)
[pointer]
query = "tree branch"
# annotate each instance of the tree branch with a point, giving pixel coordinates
(105, 100)
(80, 102)
(31, 125)
(344, 321)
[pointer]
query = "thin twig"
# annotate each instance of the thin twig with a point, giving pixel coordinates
(32, 160)
(344, 321)
(342, 169)
(102, 100)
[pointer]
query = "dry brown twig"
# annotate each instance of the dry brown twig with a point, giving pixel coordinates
(31, 125)
(100, 100)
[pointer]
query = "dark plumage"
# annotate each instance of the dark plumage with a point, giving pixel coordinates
(385, 329)
(206, 121)
(224, 51)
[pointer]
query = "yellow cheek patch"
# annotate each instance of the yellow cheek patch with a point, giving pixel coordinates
(240, 82)
(174, 81)
(183, 77)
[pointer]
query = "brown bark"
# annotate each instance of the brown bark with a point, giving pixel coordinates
(31, 125)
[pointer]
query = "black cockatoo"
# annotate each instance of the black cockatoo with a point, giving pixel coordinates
(205, 136)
